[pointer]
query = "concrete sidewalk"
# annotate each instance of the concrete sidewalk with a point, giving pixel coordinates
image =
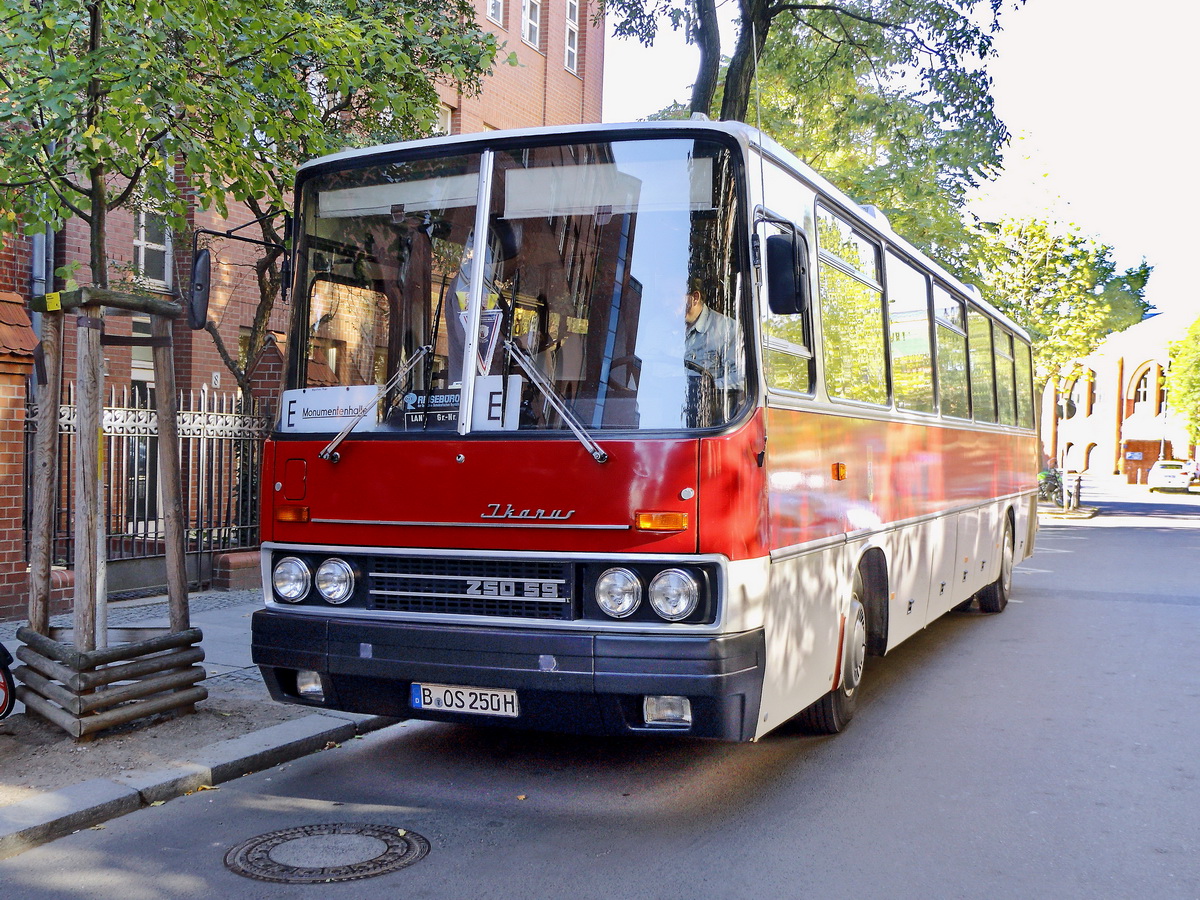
(213, 748)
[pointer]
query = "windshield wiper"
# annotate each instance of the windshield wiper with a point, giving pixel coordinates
(543, 384)
(330, 452)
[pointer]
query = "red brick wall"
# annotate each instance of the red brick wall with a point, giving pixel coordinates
(13, 579)
(266, 376)
(15, 252)
(540, 91)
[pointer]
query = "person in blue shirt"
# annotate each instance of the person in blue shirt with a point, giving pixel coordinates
(712, 339)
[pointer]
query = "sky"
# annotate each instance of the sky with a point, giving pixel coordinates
(1099, 97)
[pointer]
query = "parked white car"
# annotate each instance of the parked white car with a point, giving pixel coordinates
(1169, 475)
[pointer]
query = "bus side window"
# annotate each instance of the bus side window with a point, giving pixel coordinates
(953, 392)
(1006, 397)
(852, 314)
(787, 357)
(1024, 363)
(983, 370)
(908, 331)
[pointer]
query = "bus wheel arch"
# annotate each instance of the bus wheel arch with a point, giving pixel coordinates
(873, 573)
(994, 597)
(863, 634)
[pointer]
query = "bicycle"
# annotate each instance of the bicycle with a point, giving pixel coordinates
(8, 688)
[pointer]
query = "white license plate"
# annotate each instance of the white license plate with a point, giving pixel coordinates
(463, 699)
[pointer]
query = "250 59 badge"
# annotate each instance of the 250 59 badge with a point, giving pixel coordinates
(512, 588)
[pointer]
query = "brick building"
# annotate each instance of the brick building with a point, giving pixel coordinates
(558, 80)
(559, 76)
(1113, 417)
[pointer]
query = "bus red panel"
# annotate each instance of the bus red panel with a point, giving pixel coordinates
(492, 495)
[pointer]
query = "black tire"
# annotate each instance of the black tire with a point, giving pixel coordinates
(833, 712)
(8, 692)
(994, 597)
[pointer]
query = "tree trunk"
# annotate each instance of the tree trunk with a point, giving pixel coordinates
(707, 38)
(739, 80)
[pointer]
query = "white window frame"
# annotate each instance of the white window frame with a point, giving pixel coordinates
(445, 120)
(495, 11)
(571, 47)
(141, 245)
(531, 22)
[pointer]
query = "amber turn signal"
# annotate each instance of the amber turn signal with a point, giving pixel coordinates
(291, 514)
(839, 471)
(661, 521)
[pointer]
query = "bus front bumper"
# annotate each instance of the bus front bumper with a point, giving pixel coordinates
(585, 683)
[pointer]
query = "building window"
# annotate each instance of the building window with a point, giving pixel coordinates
(531, 22)
(495, 11)
(141, 359)
(152, 249)
(445, 120)
(571, 58)
(1142, 392)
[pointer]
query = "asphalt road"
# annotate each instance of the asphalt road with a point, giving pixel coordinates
(1050, 752)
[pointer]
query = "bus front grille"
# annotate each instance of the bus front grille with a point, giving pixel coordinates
(517, 588)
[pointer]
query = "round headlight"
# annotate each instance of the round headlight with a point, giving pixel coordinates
(335, 581)
(674, 594)
(618, 592)
(290, 579)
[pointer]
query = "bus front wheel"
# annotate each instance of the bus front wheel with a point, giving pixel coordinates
(833, 712)
(994, 597)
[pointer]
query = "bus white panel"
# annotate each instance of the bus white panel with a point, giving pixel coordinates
(617, 189)
(807, 597)
(908, 551)
(943, 558)
(448, 192)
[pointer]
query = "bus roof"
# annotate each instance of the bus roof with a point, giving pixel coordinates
(746, 135)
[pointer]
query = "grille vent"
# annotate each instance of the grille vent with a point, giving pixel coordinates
(513, 588)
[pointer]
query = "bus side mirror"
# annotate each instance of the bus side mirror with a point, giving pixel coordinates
(787, 267)
(197, 307)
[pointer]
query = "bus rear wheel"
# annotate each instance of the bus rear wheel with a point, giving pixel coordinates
(833, 712)
(994, 597)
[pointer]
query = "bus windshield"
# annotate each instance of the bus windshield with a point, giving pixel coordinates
(607, 289)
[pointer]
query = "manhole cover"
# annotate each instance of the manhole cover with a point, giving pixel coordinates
(316, 854)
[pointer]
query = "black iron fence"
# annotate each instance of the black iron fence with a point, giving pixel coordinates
(220, 446)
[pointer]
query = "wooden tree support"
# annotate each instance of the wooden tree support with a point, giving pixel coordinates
(143, 671)
(91, 683)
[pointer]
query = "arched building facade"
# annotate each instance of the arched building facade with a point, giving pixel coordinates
(1112, 415)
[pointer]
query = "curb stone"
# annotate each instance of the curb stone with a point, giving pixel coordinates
(54, 814)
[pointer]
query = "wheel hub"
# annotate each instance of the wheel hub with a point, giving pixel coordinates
(855, 655)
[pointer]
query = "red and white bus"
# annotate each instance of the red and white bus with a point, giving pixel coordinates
(625, 429)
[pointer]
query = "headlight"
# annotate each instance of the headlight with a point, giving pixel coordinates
(674, 594)
(335, 581)
(618, 592)
(290, 579)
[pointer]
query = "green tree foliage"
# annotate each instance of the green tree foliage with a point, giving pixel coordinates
(1061, 286)
(111, 103)
(911, 153)
(1183, 380)
(938, 43)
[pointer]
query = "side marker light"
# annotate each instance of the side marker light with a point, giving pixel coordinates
(663, 522)
(292, 514)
